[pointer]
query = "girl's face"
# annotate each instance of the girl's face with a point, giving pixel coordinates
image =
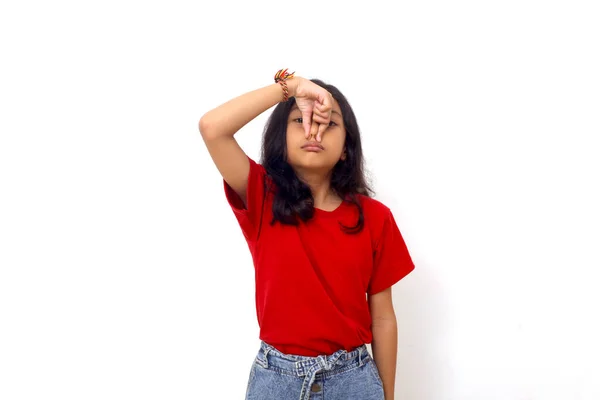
(302, 156)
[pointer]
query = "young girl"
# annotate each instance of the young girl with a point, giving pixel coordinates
(325, 253)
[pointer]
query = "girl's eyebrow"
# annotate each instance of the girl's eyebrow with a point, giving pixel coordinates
(295, 108)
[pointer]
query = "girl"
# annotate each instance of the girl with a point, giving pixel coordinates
(325, 253)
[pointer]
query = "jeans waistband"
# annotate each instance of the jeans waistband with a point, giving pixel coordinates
(311, 367)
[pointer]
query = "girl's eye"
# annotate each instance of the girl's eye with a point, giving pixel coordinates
(299, 120)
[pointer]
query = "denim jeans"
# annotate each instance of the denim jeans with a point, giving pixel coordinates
(342, 375)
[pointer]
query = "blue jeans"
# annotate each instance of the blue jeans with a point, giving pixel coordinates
(342, 375)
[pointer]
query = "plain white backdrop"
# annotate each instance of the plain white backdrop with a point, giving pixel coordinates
(123, 272)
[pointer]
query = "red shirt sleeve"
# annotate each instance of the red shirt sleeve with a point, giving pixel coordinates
(249, 217)
(392, 260)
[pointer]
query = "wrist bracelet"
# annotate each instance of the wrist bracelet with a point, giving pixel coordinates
(280, 77)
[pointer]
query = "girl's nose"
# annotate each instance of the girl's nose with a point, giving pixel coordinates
(314, 129)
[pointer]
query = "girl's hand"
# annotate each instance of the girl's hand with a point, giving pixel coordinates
(315, 104)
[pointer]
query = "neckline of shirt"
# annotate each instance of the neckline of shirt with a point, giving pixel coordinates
(333, 213)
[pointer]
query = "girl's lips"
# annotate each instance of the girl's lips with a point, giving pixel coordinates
(313, 146)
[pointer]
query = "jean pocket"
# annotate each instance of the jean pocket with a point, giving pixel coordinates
(374, 371)
(260, 361)
(250, 380)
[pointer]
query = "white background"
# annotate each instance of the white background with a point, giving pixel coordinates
(123, 271)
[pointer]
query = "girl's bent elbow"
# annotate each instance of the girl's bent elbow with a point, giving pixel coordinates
(204, 126)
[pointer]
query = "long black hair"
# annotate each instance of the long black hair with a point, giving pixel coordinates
(292, 197)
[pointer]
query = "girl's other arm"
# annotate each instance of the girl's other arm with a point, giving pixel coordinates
(385, 339)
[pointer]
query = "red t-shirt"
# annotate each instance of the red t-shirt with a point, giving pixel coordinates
(312, 279)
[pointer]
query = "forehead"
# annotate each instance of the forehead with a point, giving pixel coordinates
(336, 108)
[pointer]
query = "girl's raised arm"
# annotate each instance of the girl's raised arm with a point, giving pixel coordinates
(218, 126)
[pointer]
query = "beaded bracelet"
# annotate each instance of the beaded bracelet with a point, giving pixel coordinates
(280, 77)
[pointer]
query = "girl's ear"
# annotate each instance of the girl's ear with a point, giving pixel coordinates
(343, 157)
